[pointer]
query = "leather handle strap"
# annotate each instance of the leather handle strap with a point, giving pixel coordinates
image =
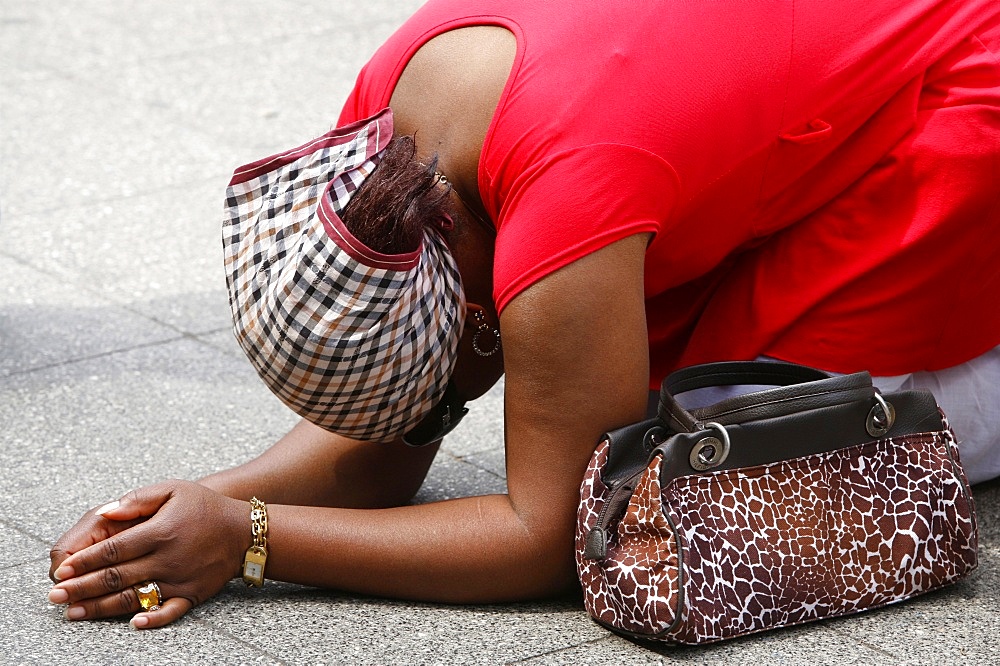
(734, 373)
(803, 388)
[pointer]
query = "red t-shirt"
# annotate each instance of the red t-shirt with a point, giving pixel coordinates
(806, 200)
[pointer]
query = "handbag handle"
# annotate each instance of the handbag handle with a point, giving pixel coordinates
(804, 388)
(822, 413)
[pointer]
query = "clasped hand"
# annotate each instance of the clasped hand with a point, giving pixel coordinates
(188, 539)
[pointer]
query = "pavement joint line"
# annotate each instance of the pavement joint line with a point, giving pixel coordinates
(212, 331)
(14, 527)
(865, 644)
(112, 301)
(11, 525)
(173, 56)
(199, 337)
(566, 648)
(146, 191)
(57, 273)
(233, 637)
(91, 357)
(462, 458)
(55, 72)
(20, 260)
(480, 452)
(34, 560)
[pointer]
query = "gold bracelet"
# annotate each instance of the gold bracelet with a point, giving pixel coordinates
(256, 557)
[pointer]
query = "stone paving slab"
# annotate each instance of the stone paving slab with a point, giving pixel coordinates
(46, 321)
(159, 254)
(481, 431)
(76, 35)
(952, 626)
(20, 548)
(492, 461)
(81, 434)
(301, 98)
(807, 645)
(988, 511)
(40, 635)
(312, 626)
(450, 477)
(75, 147)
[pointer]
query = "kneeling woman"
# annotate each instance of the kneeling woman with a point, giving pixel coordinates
(584, 204)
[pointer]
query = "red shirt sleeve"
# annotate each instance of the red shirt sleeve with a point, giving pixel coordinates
(574, 203)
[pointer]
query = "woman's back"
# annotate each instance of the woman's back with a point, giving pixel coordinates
(697, 121)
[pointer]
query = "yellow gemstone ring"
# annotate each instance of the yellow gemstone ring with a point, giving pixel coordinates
(149, 595)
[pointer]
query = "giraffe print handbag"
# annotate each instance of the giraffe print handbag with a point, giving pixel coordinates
(814, 499)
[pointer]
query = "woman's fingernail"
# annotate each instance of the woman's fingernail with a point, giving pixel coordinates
(110, 506)
(58, 596)
(63, 572)
(75, 612)
(139, 621)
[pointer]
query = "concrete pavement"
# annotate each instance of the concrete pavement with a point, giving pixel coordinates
(120, 124)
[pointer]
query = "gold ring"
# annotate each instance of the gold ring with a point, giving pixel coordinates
(149, 595)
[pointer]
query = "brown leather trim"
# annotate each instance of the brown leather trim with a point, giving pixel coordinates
(801, 388)
(801, 434)
(629, 449)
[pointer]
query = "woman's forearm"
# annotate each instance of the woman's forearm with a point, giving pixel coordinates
(475, 549)
(312, 467)
(327, 527)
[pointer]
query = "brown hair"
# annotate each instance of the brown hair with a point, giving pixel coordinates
(390, 209)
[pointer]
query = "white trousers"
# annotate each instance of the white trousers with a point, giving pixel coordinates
(969, 395)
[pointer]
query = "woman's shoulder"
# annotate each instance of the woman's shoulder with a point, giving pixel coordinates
(451, 85)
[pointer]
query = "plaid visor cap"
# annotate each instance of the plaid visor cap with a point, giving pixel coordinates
(360, 343)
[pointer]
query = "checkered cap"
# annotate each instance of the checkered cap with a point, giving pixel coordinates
(358, 342)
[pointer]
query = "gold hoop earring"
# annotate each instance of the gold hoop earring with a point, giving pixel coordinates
(482, 327)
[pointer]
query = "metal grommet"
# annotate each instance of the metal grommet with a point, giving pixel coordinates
(654, 437)
(710, 452)
(881, 417)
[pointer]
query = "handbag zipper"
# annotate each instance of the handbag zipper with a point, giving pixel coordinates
(597, 538)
